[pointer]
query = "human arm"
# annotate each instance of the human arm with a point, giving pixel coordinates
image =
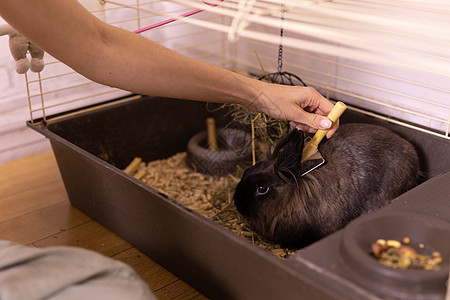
(5, 29)
(116, 57)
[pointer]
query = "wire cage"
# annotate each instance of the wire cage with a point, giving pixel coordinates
(387, 60)
(386, 57)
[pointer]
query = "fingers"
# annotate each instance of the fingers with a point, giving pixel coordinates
(310, 129)
(316, 101)
(310, 122)
(303, 127)
(320, 108)
(333, 130)
(313, 120)
(304, 106)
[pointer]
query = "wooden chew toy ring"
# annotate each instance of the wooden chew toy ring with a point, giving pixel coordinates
(334, 115)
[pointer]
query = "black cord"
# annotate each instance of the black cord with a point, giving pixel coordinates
(281, 77)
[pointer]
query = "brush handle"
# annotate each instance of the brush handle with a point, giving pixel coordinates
(312, 145)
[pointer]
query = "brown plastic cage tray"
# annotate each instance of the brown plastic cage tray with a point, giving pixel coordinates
(92, 146)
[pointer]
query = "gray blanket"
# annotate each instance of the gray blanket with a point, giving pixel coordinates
(65, 273)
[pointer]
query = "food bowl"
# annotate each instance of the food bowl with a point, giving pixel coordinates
(427, 235)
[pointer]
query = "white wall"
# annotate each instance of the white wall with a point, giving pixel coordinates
(16, 140)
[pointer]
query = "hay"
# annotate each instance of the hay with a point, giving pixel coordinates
(267, 129)
(210, 197)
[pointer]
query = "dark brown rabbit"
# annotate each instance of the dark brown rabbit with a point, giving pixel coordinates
(366, 167)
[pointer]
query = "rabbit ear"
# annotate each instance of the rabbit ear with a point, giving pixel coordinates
(288, 155)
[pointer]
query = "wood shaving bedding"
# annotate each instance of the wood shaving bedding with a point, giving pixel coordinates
(210, 197)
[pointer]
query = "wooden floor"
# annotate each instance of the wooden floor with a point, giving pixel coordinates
(35, 211)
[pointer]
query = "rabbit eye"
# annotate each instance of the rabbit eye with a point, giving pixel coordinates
(262, 190)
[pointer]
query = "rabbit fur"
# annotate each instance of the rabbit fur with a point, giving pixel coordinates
(366, 167)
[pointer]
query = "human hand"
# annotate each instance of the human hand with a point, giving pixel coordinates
(304, 107)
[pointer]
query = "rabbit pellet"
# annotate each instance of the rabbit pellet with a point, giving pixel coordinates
(394, 254)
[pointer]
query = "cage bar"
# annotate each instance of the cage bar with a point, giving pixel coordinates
(387, 57)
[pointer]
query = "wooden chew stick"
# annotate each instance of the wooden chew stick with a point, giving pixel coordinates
(140, 173)
(312, 145)
(212, 134)
(132, 167)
